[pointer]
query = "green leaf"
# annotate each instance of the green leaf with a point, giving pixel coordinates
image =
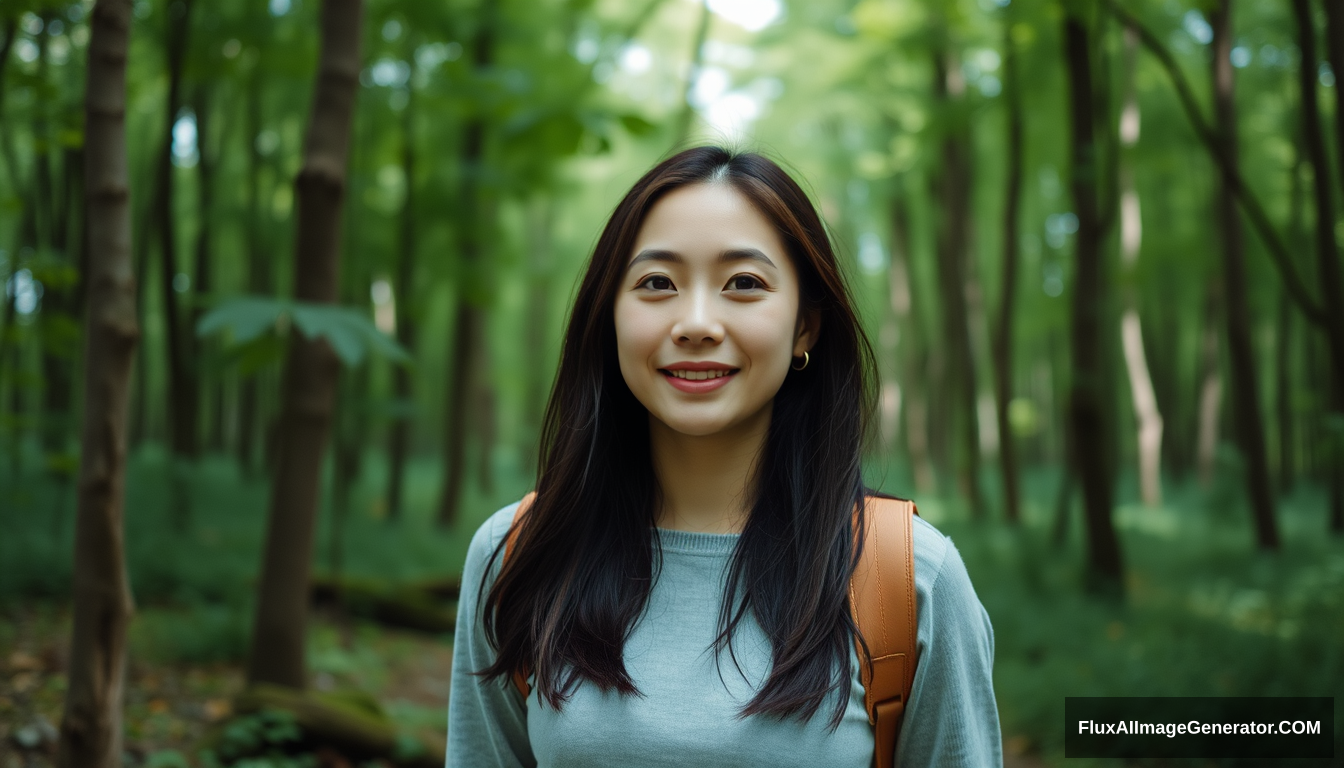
(349, 331)
(243, 317)
(331, 323)
(637, 125)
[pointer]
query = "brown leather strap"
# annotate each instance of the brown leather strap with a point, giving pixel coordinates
(519, 676)
(882, 601)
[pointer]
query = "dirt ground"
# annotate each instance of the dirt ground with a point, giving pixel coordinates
(171, 707)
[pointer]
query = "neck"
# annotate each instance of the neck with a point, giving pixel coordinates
(704, 478)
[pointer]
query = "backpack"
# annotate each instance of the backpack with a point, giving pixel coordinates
(882, 601)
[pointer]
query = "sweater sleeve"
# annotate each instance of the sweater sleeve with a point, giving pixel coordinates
(952, 719)
(487, 719)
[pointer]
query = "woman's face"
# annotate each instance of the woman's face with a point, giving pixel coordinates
(707, 318)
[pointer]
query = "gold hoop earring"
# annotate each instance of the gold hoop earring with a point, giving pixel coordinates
(806, 359)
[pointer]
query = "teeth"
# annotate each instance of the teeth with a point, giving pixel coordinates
(698, 375)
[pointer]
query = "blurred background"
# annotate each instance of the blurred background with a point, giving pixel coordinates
(1095, 245)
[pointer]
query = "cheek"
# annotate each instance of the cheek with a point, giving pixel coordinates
(769, 337)
(636, 336)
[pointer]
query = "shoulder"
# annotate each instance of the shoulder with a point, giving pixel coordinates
(486, 540)
(932, 551)
(493, 530)
(944, 594)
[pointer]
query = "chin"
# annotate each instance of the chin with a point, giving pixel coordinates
(696, 428)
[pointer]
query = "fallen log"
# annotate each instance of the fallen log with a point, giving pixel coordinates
(405, 606)
(349, 722)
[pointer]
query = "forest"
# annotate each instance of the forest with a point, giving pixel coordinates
(285, 283)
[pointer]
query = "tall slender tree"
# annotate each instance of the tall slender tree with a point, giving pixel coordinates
(686, 114)
(1327, 255)
(178, 339)
(952, 191)
(1087, 396)
(1003, 331)
(404, 291)
(258, 268)
(311, 368)
(1334, 51)
(1249, 426)
(467, 356)
(1141, 389)
(91, 728)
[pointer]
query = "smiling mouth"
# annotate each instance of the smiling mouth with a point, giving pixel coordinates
(699, 375)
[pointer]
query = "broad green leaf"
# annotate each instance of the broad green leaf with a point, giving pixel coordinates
(243, 317)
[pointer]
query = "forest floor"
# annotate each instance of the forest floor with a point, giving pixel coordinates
(1203, 612)
(171, 707)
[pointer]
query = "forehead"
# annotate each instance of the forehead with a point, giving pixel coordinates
(705, 220)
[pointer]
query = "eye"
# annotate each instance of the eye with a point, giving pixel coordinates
(744, 283)
(656, 283)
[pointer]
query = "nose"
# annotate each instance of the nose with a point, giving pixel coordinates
(698, 322)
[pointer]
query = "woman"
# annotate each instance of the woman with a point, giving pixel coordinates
(676, 593)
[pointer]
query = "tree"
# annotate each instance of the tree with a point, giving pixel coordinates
(91, 728)
(1250, 430)
(467, 356)
(399, 436)
(1327, 255)
(180, 343)
(951, 188)
(1087, 395)
(309, 387)
(1003, 332)
(1131, 328)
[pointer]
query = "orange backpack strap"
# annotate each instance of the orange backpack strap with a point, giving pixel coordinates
(882, 602)
(520, 675)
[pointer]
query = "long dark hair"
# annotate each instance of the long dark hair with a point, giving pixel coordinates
(585, 559)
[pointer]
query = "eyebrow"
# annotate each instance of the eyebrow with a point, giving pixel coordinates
(730, 255)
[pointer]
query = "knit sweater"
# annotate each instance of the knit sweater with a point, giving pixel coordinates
(688, 710)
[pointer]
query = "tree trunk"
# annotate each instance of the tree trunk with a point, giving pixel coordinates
(1250, 429)
(1327, 257)
(7, 152)
(91, 727)
(1131, 328)
(465, 354)
(540, 277)
(1210, 379)
(180, 346)
(203, 266)
(952, 191)
(909, 356)
(62, 303)
(1003, 336)
(404, 293)
(311, 368)
(1334, 51)
(687, 116)
(258, 275)
(1087, 400)
(59, 301)
(1283, 345)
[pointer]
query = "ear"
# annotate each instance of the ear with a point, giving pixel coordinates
(809, 328)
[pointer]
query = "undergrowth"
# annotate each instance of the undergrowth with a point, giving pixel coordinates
(1203, 612)
(194, 537)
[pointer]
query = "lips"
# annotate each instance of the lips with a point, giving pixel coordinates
(697, 378)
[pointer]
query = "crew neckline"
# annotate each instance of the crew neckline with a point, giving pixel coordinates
(693, 543)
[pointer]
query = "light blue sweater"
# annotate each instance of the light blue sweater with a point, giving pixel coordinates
(688, 713)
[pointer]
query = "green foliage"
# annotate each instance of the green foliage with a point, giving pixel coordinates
(1202, 616)
(349, 331)
(168, 758)
(260, 740)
